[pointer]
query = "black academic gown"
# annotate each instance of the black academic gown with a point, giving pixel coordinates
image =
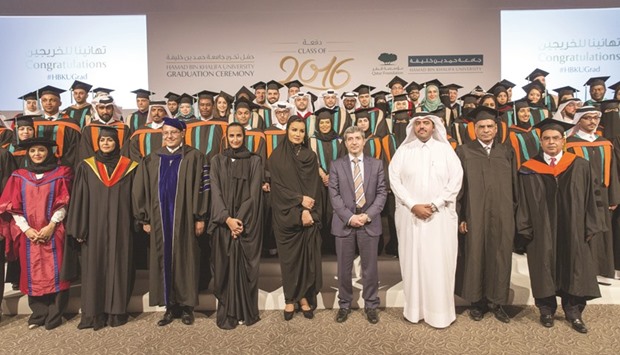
(100, 214)
(610, 126)
(600, 154)
(487, 203)
(80, 116)
(294, 175)
(7, 166)
(556, 213)
(174, 251)
(90, 136)
(236, 261)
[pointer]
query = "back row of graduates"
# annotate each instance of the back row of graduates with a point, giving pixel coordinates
(79, 131)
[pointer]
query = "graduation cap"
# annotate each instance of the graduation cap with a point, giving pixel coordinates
(363, 112)
(497, 88)
(551, 124)
(294, 84)
(259, 85)
(81, 85)
(206, 94)
(52, 90)
(403, 114)
(401, 97)
(186, 99)
(29, 96)
(228, 97)
(243, 102)
(412, 86)
(364, 89)
(483, 113)
(31, 142)
(396, 80)
(519, 104)
(452, 87)
(243, 91)
(274, 85)
(564, 90)
(469, 98)
(176, 123)
(101, 90)
(615, 87)
(142, 94)
(478, 91)
(380, 95)
(508, 84)
(313, 97)
(171, 96)
(24, 120)
(324, 113)
(433, 82)
(536, 73)
(598, 80)
(534, 85)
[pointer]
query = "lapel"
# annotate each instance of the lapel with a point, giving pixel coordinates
(349, 169)
(366, 172)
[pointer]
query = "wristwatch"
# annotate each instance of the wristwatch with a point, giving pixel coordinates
(434, 208)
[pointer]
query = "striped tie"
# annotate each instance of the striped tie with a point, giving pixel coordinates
(360, 199)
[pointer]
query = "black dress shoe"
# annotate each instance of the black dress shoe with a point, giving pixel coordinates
(166, 319)
(309, 314)
(546, 320)
(372, 316)
(343, 314)
(578, 325)
(187, 316)
(288, 315)
(500, 314)
(476, 313)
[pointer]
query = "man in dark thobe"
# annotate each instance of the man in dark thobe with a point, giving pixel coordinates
(170, 195)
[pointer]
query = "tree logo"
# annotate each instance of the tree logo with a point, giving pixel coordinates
(387, 58)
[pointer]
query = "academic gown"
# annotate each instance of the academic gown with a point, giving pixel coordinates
(6, 137)
(557, 211)
(292, 177)
(610, 125)
(65, 133)
(525, 142)
(100, 214)
(137, 120)
(144, 141)
(327, 151)
(605, 174)
(171, 206)
(37, 200)
(487, 203)
(236, 261)
(206, 136)
(80, 116)
(273, 137)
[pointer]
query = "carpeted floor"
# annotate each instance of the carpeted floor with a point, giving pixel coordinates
(322, 335)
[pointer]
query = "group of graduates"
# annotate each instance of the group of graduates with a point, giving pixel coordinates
(206, 182)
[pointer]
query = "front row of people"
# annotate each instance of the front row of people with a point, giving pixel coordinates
(177, 197)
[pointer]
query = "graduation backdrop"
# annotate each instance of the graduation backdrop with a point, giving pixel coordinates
(194, 45)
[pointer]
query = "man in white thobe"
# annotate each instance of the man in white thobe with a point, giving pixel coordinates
(426, 176)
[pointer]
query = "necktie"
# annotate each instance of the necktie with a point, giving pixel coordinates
(552, 162)
(488, 149)
(360, 199)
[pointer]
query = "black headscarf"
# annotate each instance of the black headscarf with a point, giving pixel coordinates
(239, 170)
(329, 136)
(110, 160)
(51, 161)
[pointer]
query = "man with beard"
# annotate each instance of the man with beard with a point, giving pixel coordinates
(413, 90)
(139, 117)
(273, 92)
(597, 90)
(173, 103)
(260, 93)
(80, 112)
(567, 109)
(586, 143)
(349, 101)
(148, 138)
(57, 127)
(106, 113)
(363, 95)
(565, 92)
(294, 87)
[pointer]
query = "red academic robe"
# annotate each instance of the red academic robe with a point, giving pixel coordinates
(37, 200)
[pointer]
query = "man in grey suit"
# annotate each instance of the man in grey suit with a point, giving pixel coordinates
(357, 191)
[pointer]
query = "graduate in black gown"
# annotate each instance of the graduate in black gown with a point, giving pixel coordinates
(296, 202)
(100, 219)
(235, 227)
